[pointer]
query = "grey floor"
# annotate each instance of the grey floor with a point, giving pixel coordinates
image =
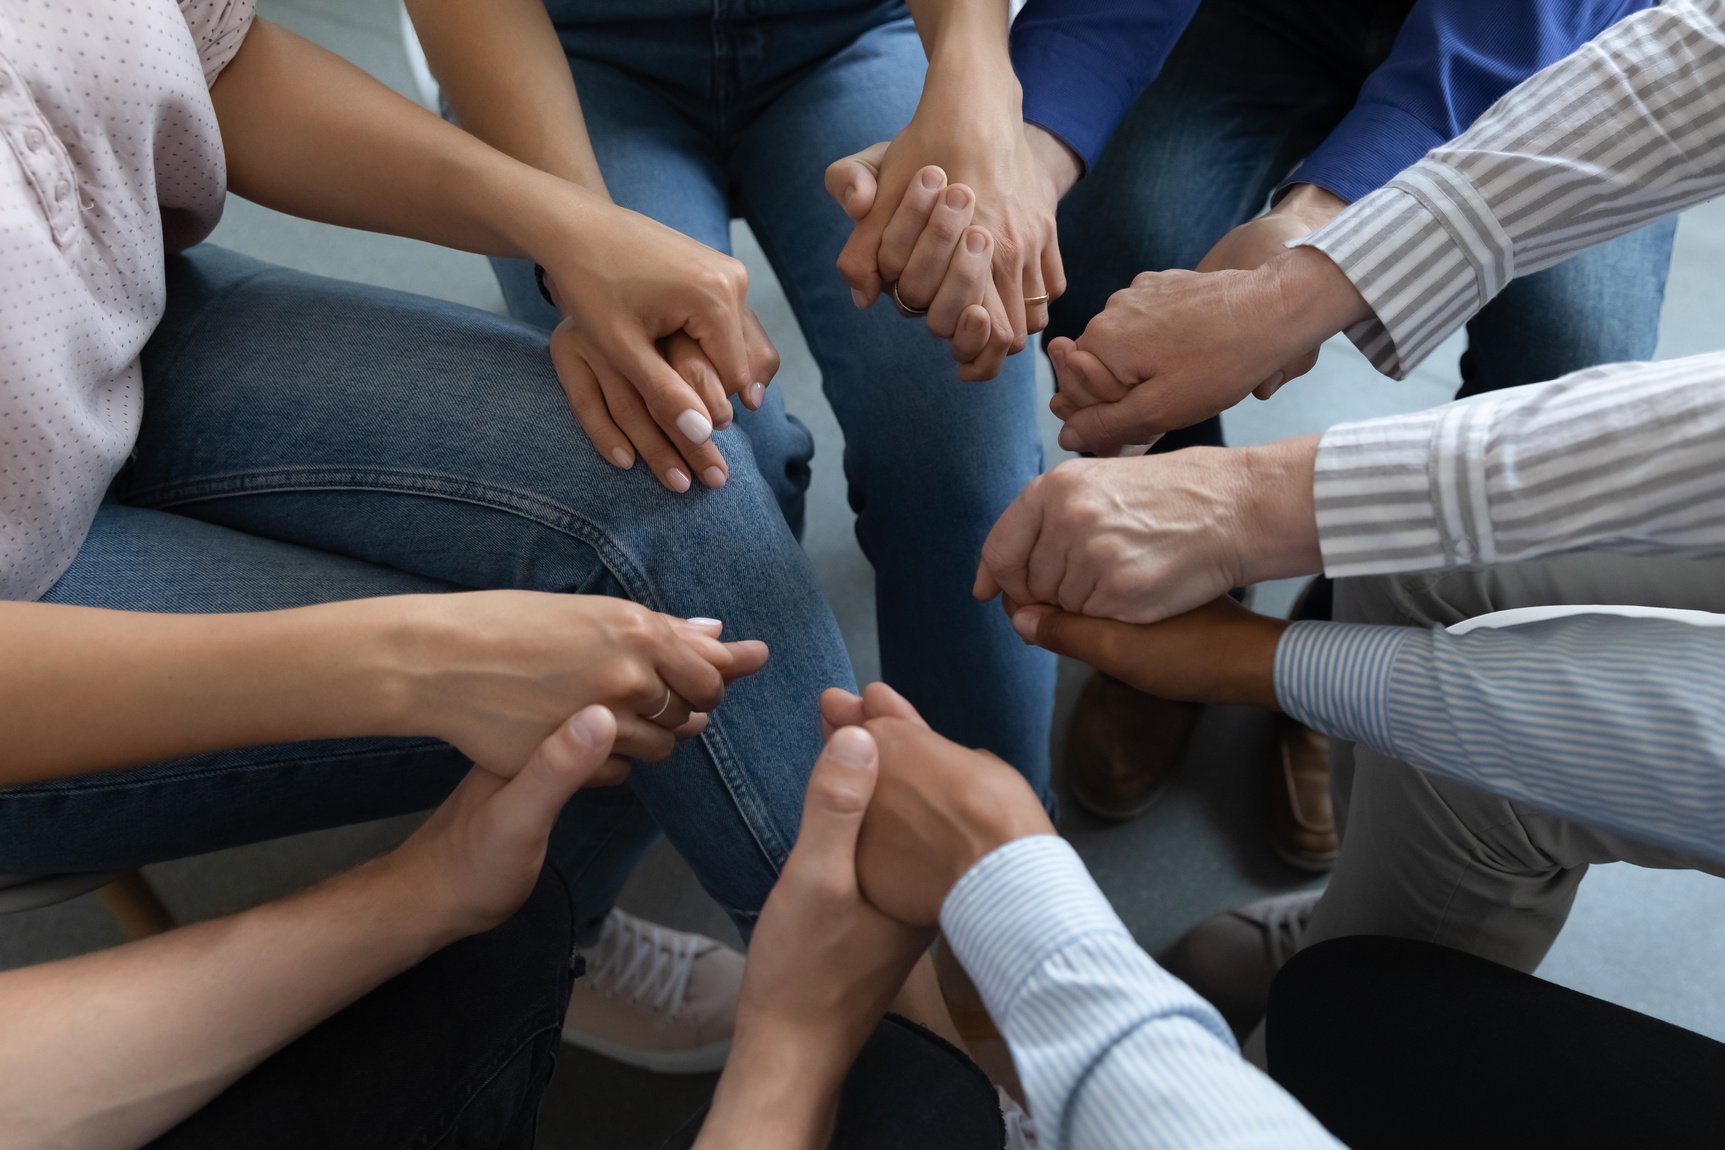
(1651, 940)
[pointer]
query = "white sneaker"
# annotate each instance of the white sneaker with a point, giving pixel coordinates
(656, 998)
(1020, 1127)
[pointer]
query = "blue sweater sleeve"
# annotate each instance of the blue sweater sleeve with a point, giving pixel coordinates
(1451, 60)
(1082, 63)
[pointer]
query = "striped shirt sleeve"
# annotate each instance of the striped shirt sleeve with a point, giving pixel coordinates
(1608, 721)
(1623, 458)
(1627, 129)
(1113, 1050)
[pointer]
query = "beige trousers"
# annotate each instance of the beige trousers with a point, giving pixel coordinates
(1426, 858)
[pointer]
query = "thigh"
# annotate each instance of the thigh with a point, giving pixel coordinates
(1393, 1044)
(140, 560)
(1601, 306)
(454, 1053)
(1433, 860)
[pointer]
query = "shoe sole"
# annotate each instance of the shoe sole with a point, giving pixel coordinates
(708, 1059)
(1310, 864)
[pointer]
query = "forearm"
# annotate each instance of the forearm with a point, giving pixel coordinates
(776, 1094)
(89, 689)
(504, 73)
(307, 133)
(1623, 132)
(963, 34)
(1633, 743)
(110, 1049)
(1620, 458)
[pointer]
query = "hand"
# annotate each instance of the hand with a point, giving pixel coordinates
(495, 672)
(1142, 539)
(937, 810)
(912, 200)
(634, 294)
(823, 966)
(1177, 347)
(1218, 653)
(479, 854)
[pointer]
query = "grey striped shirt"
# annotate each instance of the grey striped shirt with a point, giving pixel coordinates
(1627, 457)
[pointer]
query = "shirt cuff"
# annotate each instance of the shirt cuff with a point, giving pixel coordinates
(1373, 142)
(1406, 492)
(1335, 678)
(1016, 908)
(1426, 253)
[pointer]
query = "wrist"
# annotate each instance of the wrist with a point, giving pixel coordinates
(1316, 299)
(402, 643)
(1312, 205)
(1280, 517)
(1057, 159)
(779, 1090)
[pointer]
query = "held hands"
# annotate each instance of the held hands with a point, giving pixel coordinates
(480, 853)
(1178, 347)
(656, 338)
(495, 672)
(960, 217)
(1142, 539)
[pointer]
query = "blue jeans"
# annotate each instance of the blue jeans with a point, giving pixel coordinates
(1250, 89)
(306, 440)
(701, 110)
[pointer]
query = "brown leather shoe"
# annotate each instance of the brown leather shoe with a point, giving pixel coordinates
(1302, 817)
(1123, 747)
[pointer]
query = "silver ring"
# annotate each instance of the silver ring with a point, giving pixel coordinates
(665, 706)
(905, 309)
(1033, 300)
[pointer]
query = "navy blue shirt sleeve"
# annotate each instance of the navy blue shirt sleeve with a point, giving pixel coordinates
(1083, 63)
(1450, 62)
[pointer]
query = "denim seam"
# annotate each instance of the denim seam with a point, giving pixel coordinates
(534, 1030)
(553, 516)
(95, 784)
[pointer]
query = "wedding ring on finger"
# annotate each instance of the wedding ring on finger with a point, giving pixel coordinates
(905, 309)
(663, 707)
(1036, 300)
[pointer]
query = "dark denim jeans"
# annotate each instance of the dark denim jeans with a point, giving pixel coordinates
(1250, 89)
(306, 440)
(451, 1055)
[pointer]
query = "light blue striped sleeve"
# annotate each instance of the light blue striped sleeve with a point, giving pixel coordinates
(1613, 722)
(1113, 1050)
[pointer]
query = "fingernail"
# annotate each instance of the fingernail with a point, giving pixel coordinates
(677, 480)
(587, 727)
(859, 298)
(1025, 624)
(932, 179)
(1275, 380)
(703, 621)
(755, 395)
(849, 192)
(713, 477)
(1069, 440)
(621, 457)
(975, 242)
(694, 426)
(957, 198)
(851, 747)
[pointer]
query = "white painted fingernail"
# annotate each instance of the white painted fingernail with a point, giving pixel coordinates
(703, 621)
(713, 477)
(757, 394)
(677, 480)
(621, 457)
(859, 298)
(694, 426)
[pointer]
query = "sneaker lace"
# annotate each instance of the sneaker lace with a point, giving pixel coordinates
(1284, 923)
(642, 962)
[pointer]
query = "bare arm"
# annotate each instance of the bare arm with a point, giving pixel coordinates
(503, 72)
(108, 1050)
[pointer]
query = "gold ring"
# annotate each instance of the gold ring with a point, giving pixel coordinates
(663, 707)
(905, 309)
(1033, 300)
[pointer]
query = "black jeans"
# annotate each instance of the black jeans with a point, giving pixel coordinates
(1392, 1043)
(453, 1054)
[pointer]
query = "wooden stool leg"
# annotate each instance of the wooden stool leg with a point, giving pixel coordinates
(135, 906)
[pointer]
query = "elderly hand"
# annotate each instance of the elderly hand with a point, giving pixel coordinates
(1178, 347)
(1142, 539)
(944, 196)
